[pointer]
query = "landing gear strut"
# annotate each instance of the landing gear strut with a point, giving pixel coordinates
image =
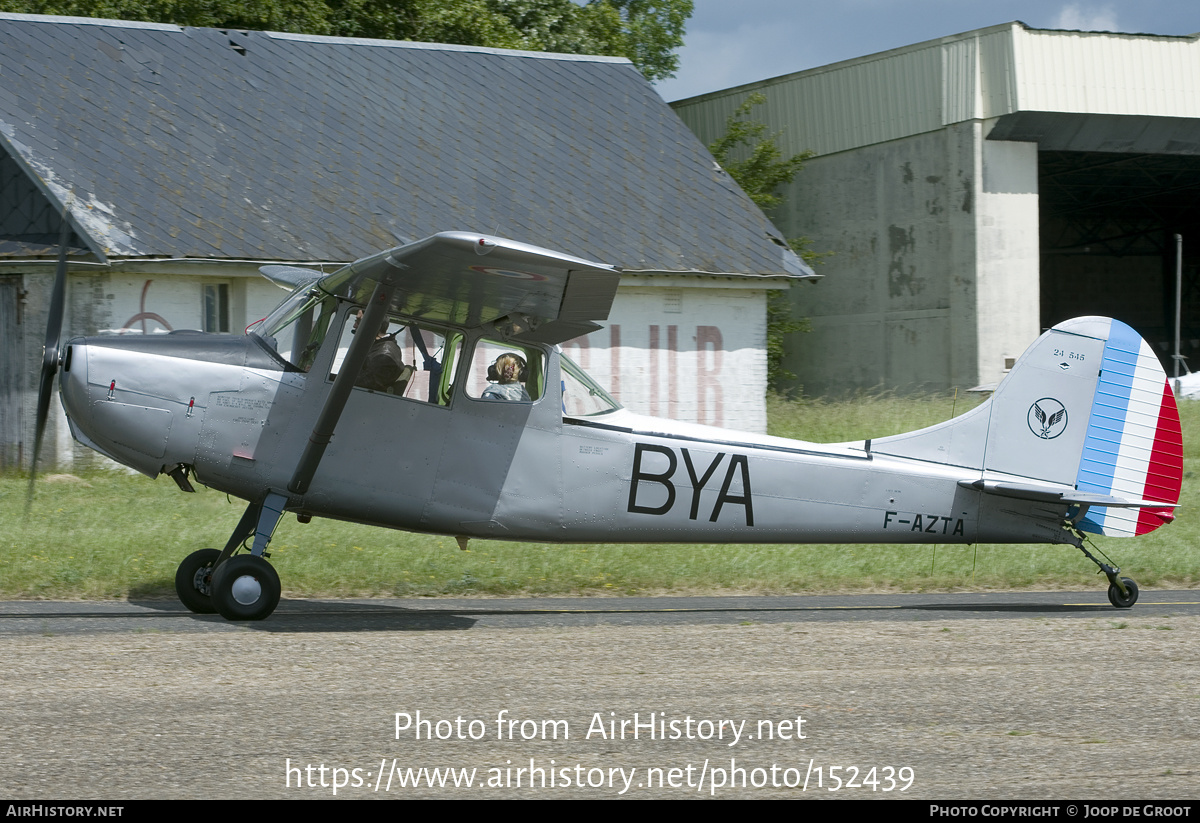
(242, 587)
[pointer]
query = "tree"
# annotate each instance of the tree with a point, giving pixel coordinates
(651, 31)
(646, 31)
(753, 158)
(756, 163)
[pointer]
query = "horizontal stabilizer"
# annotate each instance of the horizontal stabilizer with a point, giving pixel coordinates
(1023, 491)
(1086, 417)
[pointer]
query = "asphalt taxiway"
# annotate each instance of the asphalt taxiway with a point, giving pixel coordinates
(461, 614)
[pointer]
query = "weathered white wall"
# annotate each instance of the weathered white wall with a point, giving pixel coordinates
(694, 354)
(103, 302)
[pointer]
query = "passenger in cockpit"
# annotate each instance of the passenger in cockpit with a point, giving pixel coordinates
(505, 378)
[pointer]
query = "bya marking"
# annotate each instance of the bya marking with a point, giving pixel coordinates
(737, 463)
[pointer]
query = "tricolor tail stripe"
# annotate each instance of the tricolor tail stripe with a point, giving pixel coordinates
(1133, 447)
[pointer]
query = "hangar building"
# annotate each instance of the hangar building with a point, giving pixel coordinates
(976, 189)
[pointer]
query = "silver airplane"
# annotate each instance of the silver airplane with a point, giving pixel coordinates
(303, 415)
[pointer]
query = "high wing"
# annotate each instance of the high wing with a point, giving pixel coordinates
(473, 280)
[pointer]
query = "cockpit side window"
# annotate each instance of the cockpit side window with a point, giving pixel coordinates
(506, 371)
(405, 360)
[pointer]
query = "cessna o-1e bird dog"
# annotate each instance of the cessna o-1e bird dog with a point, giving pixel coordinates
(1082, 436)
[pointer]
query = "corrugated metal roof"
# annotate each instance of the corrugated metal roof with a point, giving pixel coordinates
(187, 142)
(979, 74)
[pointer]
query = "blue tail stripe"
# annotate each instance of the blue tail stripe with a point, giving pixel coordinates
(1102, 444)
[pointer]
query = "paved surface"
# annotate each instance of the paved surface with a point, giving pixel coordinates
(1052, 695)
(449, 614)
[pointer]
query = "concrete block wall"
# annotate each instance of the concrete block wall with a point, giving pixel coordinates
(933, 279)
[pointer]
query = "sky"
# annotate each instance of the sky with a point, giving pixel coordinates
(731, 42)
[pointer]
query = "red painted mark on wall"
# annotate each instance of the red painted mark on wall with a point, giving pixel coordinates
(708, 377)
(142, 316)
(583, 354)
(614, 349)
(672, 370)
(653, 387)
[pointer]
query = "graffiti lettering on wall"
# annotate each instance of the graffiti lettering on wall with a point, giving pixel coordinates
(142, 316)
(668, 368)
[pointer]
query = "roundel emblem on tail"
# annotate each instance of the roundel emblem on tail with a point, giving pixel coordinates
(1047, 418)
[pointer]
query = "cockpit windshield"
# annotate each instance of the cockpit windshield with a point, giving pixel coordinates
(581, 395)
(298, 326)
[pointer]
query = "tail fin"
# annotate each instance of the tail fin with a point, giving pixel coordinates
(1086, 417)
(1088, 405)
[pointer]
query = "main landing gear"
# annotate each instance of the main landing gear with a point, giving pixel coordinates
(238, 587)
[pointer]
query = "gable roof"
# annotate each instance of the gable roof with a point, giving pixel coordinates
(204, 143)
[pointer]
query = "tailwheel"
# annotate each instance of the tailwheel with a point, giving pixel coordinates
(193, 581)
(1122, 591)
(245, 587)
(1123, 600)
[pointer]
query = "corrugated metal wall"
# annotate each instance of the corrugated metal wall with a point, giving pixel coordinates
(1101, 73)
(977, 75)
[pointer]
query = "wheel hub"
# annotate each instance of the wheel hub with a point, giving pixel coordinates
(202, 579)
(246, 590)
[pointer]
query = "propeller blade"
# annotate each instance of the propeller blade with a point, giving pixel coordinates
(50, 353)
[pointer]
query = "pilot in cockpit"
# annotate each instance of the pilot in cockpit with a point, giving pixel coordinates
(384, 365)
(506, 378)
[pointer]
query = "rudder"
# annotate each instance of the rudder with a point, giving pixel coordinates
(1134, 443)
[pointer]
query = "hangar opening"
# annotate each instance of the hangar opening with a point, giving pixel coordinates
(1113, 194)
(1108, 226)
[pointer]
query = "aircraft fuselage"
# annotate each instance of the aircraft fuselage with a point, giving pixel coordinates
(519, 471)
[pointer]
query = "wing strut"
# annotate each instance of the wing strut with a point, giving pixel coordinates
(322, 432)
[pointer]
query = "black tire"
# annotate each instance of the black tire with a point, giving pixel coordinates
(193, 581)
(1119, 600)
(245, 587)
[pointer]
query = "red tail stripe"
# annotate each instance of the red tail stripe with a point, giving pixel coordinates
(1164, 477)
